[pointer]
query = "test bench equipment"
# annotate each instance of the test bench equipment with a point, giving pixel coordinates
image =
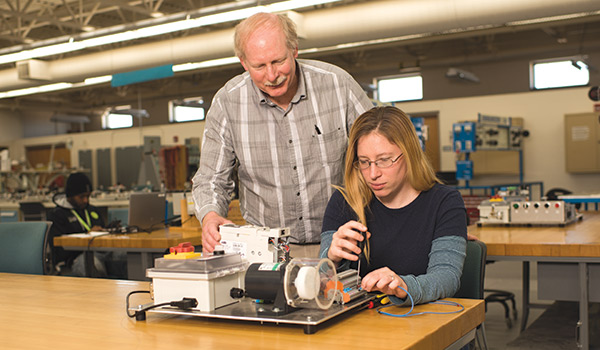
(256, 243)
(497, 211)
(256, 282)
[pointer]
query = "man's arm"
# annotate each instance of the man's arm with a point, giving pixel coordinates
(358, 102)
(213, 183)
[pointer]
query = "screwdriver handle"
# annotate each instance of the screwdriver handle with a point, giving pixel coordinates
(361, 244)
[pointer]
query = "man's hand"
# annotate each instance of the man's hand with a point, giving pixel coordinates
(210, 231)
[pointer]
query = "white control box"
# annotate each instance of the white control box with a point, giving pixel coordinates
(542, 212)
(255, 243)
(208, 280)
(494, 212)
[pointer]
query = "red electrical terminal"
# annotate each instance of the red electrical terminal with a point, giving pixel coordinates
(184, 250)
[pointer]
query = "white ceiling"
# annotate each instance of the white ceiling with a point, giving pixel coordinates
(423, 32)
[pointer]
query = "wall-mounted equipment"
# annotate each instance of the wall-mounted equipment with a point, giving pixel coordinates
(489, 133)
(421, 129)
(461, 74)
(499, 133)
(582, 143)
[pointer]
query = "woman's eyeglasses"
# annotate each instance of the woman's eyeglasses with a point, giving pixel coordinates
(382, 163)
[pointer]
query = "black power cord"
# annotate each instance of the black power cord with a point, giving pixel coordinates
(140, 315)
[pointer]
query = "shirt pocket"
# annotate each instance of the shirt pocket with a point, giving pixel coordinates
(329, 148)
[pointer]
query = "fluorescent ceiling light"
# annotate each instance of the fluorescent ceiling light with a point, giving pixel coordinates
(205, 64)
(294, 4)
(98, 80)
(552, 18)
(157, 30)
(36, 90)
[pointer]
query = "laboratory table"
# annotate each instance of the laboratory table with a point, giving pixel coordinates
(59, 312)
(557, 247)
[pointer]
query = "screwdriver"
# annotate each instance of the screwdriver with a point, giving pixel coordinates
(361, 245)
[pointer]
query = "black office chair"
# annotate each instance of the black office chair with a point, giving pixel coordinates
(471, 281)
(32, 211)
(554, 193)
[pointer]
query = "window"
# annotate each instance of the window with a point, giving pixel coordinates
(555, 73)
(116, 121)
(400, 88)
(186, 110)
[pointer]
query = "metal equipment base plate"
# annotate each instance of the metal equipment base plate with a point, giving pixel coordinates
(246, 310)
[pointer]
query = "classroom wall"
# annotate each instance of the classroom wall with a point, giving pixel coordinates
(170, 134)
(10, 127)
(543, 113)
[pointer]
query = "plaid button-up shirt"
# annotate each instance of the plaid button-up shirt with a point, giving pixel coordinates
(287, 159)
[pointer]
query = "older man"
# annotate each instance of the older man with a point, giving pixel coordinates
(284, 123)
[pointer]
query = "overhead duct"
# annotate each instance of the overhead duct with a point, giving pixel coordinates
(33, 70)
(370, 20)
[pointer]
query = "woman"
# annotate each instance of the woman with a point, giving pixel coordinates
(416, 227)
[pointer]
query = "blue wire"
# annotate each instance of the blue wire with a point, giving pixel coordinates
(412, 306)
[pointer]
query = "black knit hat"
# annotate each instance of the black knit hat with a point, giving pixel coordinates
(78, 183)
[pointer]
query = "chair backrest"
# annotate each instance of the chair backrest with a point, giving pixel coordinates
(33, 211)
(471, 281)
(23, 247)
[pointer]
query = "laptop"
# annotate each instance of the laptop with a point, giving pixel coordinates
(147, 210)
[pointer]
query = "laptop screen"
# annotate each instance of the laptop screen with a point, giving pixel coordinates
(147, 210)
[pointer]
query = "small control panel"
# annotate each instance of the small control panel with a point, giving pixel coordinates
(526, 212)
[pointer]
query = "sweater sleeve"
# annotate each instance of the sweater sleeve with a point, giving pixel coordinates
(326, 239)
(442, 279)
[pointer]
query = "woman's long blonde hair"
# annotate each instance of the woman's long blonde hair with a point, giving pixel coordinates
(398, 129)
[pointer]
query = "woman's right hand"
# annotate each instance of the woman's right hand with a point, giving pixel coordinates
(344, 244)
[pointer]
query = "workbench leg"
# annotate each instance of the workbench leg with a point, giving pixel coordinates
(525, 301)
(137, 263)
(583, 325)
(88, 260)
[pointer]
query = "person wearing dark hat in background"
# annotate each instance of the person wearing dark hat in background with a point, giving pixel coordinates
(74, 214)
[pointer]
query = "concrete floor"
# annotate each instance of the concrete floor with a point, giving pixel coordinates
(506, 275)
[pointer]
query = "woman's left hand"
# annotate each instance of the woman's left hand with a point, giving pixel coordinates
(385, 281)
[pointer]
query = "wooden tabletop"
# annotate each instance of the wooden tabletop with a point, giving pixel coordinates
(578, 239)
(46, 312)
(157, 239)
